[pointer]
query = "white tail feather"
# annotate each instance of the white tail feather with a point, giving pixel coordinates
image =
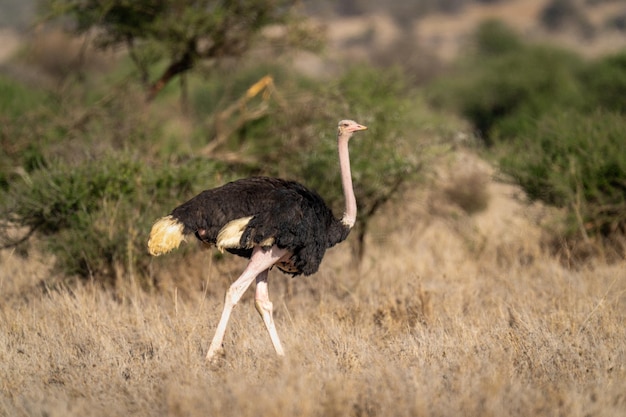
(166, 235)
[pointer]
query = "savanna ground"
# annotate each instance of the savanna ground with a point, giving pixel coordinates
(448, 314)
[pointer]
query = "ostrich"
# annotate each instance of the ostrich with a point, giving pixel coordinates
(271, 221)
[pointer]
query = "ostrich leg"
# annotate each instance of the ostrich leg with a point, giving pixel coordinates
(265, 308)
(260, 262)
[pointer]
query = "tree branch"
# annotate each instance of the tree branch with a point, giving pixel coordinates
(185, 63)
(14, 243)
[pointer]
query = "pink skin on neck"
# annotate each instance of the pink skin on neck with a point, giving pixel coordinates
(349, 216)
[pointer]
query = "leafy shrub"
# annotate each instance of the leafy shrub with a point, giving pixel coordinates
(554, 121)
(506, 85)
(494, 38)
(576, 161)
(95, 216)
(20, 107)
(605, 83)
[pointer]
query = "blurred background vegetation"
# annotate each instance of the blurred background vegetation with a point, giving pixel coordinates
(113, 112)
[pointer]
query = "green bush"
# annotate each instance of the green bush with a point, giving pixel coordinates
(577, 161)
(20, 108)
(506, 85)
(95, 216)
(493, 38)
(554, 122)
(604, 82)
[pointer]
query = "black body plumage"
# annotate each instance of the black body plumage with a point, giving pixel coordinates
(284, 212)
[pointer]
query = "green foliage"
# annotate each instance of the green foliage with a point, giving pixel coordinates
(554, 121)
(221, 88)
(577, 161)
(16, 98)
(494, 38)
(178, 32)
(604, 81)
(173, 23)
(505, 85)
(95, 216)
(79, 175)
(20, 108)
(40, 128)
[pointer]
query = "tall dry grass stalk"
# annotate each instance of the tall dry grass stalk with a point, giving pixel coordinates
(449, 315)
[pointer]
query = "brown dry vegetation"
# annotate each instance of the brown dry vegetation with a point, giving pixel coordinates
(449, 315)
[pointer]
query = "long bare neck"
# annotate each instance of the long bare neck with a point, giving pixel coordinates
(349, 216)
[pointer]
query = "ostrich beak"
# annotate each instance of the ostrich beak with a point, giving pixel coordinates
(356, 127)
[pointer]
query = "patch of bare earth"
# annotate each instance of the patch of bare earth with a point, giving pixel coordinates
(9, 44)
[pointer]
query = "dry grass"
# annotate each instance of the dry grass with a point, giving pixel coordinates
(449, 315)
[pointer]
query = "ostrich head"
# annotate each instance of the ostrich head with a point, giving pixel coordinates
(348, 127)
